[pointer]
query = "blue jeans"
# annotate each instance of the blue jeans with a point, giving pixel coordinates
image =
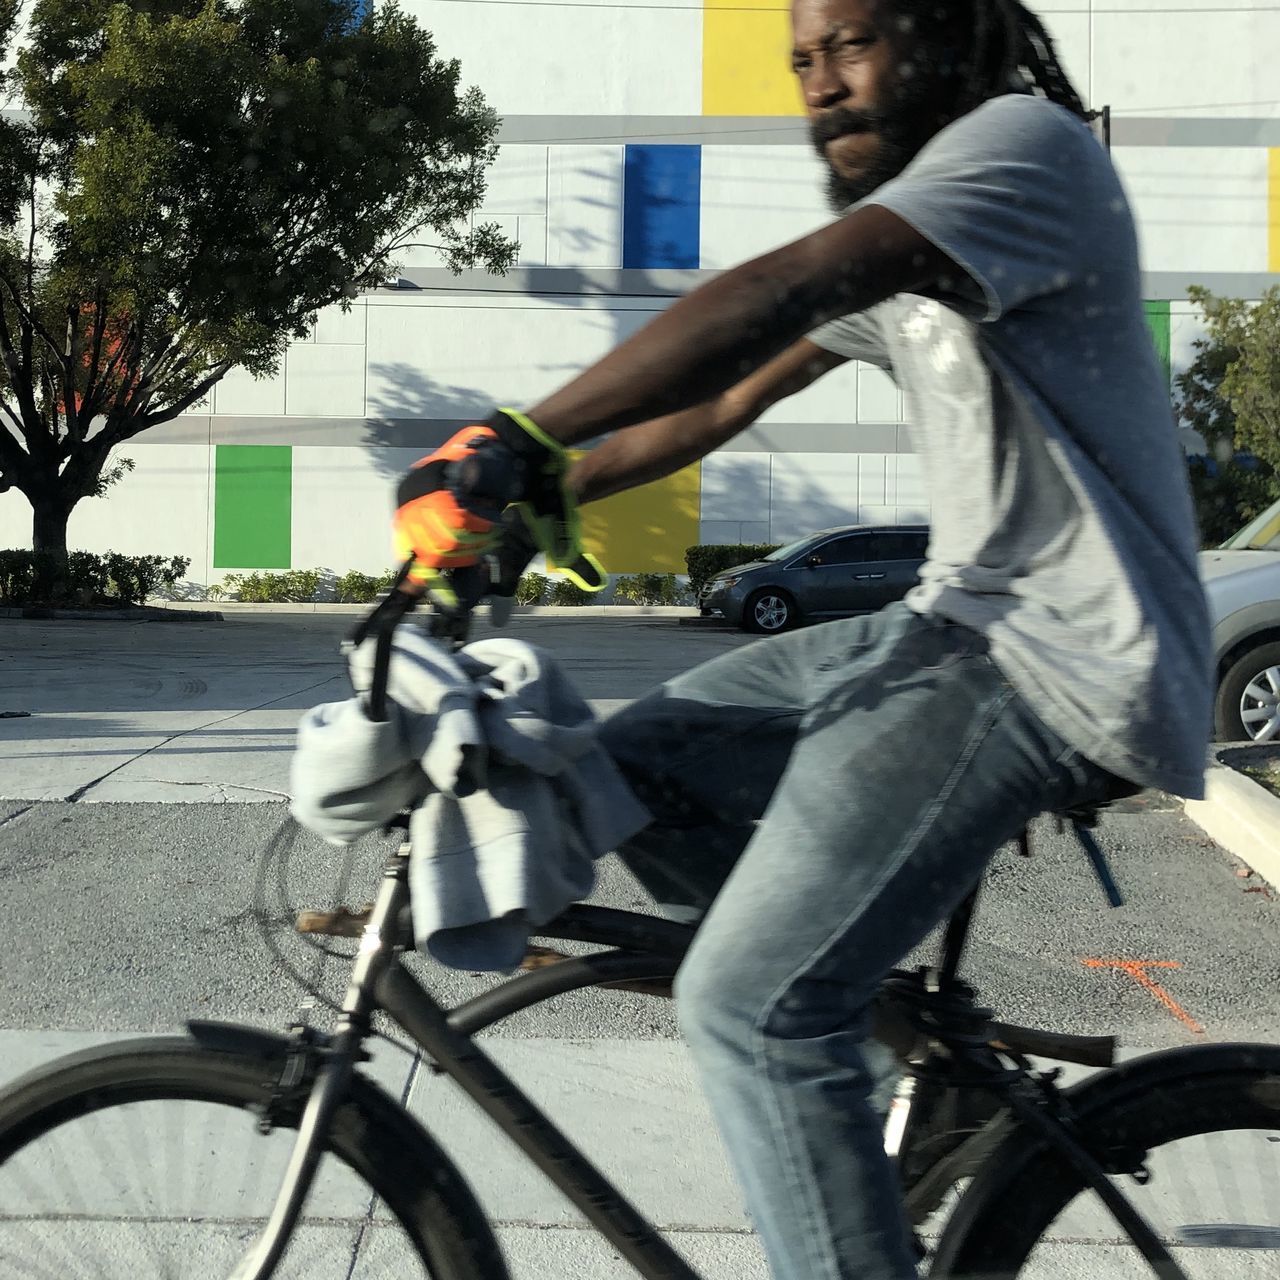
(886, 759)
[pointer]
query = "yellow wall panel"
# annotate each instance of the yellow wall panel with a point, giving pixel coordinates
(746, 59)
(646, 530)
(1273, 211)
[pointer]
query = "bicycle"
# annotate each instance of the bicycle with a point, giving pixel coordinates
(971, 1110)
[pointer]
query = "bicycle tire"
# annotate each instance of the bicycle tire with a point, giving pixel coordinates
(375, 1138)
(1145, 1105)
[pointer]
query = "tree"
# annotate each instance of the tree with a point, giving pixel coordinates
(1230, 395)
(196, 179)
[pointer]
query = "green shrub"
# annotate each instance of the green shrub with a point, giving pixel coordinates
(32, 577)
(136, 578)
(532, 588)
(705, 561)
(293, 586)
(564, 592)
(355, 587)
(649, 588)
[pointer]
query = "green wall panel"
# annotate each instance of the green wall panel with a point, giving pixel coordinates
(1158, 319)
(253, 506)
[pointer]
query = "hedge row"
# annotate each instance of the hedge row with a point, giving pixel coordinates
(303, 585)
(29, 577)
(706, 561)
(33, 577)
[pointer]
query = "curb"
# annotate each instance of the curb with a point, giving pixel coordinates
(1240, 814)
(143, 613)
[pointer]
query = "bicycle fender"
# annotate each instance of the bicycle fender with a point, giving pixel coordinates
(1013, 1147)
(234, 1037)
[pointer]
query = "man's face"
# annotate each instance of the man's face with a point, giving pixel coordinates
(871, 100)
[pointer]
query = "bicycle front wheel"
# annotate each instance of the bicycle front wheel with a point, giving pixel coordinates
(1199, 1141)
(145, 1161)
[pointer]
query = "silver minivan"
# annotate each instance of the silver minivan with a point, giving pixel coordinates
(1242, 583)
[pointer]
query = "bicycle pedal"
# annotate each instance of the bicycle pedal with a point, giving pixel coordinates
(342, 923)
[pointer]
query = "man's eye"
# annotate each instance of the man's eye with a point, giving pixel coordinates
(858, 42)
(800, 64)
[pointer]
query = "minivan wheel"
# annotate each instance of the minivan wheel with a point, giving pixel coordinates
(769, 611)
(1248, 702)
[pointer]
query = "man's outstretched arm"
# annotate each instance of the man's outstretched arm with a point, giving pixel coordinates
(658, 448)
(712, 339)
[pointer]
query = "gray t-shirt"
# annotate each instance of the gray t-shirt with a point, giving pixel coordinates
(1062, 524)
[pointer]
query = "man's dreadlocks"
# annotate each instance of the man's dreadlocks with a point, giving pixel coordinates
(1001, 46)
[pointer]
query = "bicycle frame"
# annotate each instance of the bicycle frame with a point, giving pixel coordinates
(379, 980)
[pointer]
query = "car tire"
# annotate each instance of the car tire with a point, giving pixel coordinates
(769, 611)
(1248, 685)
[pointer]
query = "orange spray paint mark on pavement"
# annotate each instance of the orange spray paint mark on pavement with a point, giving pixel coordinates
(1137, 970)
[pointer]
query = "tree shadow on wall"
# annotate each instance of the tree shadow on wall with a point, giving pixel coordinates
(411, 413)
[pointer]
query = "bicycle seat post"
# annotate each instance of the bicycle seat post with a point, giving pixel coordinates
(953, 942)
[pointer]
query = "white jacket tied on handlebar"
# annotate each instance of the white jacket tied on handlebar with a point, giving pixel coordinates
(513, 797)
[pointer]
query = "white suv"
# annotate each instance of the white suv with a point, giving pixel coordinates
(1242, 582)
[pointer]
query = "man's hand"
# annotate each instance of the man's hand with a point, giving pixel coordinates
(439, 524)
(449, 505)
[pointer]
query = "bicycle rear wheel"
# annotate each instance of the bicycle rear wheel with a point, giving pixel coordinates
(1211, 1186)
(144, 1161)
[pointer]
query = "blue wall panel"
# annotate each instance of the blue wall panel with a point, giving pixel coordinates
(661, 192)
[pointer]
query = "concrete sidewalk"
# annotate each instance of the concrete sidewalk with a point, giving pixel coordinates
(208, 711)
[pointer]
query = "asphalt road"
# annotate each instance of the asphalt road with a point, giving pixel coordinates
(148, 785)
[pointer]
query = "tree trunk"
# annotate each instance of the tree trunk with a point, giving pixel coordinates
(49, 518)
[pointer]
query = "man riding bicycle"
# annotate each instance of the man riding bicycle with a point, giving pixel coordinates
(827, 796)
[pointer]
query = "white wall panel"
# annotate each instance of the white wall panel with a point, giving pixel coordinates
(812, 491)
(335, 325)
(833, 398)
(342, 506)
(584, 211)
(1198, 208)
(873, 470)
(443, 362)
(531, 232)
(721, 532)
(1212, 59)
(580, 59)
(908, 494)
(15, 520)
(516, 182)
(757, 198)
(239, 393)
(878, 399)
(735, 486)
(325, 381)
(159, 508)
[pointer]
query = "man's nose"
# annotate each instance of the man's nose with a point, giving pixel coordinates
(823, 86)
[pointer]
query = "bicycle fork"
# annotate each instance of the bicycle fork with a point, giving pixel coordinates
(331, 1082)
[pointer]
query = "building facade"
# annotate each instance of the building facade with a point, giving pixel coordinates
(647, 144)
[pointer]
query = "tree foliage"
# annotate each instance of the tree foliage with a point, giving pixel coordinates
(1230, 395)
(194, 180)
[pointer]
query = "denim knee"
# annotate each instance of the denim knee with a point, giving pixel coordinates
(720, 998)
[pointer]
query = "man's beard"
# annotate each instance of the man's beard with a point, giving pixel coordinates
(898, 133)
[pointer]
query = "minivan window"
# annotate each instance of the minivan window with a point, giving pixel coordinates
(791, 549)
(899, 546)
(850, 550)
(1261, 534)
